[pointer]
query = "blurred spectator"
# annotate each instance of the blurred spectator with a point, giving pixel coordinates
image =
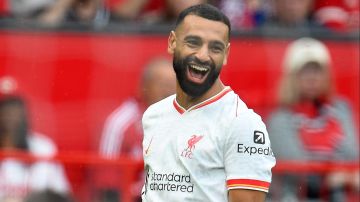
(4, 9)
(136, 10)
(81, 11)
(291, 14)
(243, 14)
(17, 178)
(312, 123)
(338, 15)
(53, 13)
(174, 7)
(28, 9)
(122, 133)
(48, 196)
(149, 11)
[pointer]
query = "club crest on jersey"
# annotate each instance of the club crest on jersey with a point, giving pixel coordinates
(188, 151)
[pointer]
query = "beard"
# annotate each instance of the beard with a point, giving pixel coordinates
(192, 89)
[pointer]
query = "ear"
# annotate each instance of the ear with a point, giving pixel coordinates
(171, 42)
(227, 51)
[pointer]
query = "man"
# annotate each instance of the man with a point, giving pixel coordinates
(204, 144)
(122, 133)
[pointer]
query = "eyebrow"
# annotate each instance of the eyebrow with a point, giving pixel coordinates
(214, 42)
(192, 37)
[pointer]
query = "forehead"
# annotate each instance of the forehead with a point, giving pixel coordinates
(11, 109)
(311, 67)
(204, 28)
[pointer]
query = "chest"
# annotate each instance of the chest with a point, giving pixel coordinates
(192, 141)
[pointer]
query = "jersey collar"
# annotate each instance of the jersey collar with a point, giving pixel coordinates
(212, 99)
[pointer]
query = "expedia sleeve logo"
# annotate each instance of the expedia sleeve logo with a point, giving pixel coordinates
(259, 137)
(250, 150)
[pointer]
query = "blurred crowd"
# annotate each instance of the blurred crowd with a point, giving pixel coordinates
(311, 122)
(334, 15)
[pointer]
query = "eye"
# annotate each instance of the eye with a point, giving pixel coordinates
(217, 49)
(193, 43)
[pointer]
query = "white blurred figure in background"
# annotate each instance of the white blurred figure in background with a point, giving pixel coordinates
(19, 178)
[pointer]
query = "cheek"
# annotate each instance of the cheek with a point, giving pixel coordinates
(311, 85)
(10, 121)
(219, 61)
(179, 55)
(183, 51)
(303, 83)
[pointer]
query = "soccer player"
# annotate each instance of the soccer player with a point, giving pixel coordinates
(203, 143)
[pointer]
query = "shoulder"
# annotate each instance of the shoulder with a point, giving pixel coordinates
(41, 145)
(248, 117)
(340, 102)
(280, 114)
(247, 125)
(159, 108)
(239, 115)
(130, 106)
(230, 107)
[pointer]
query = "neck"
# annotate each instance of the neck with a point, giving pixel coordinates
(187, 101)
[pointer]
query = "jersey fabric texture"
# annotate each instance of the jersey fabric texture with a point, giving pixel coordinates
(200, 153)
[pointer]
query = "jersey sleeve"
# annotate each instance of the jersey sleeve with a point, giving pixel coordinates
(248, 156)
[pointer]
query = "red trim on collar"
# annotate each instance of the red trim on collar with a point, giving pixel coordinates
(181, 110)
(213, 99)
(178, 107)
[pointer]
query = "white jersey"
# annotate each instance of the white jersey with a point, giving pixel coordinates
(200, 153)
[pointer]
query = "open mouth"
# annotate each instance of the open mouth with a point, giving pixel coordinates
(197, 73)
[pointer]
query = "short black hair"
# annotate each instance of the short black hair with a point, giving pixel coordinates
(20, 138)
(48, 195)
(206, 11)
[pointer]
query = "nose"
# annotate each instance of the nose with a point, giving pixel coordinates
(203, 54)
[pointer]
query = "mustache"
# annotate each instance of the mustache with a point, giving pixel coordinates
(195, 60)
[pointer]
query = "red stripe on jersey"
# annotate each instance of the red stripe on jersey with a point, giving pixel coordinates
(206, 102)
(213, 99)
(177, 107)
(248, 183)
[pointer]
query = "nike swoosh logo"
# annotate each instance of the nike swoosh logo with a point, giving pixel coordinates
(148, 147)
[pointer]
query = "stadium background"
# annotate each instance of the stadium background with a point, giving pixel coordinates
(73, 78)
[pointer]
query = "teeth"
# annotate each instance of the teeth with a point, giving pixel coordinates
(199, 68)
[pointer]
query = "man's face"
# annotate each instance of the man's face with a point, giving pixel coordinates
(200, 48)
(161, 82)
(293, 11)
(11, 117)
(312, 81)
